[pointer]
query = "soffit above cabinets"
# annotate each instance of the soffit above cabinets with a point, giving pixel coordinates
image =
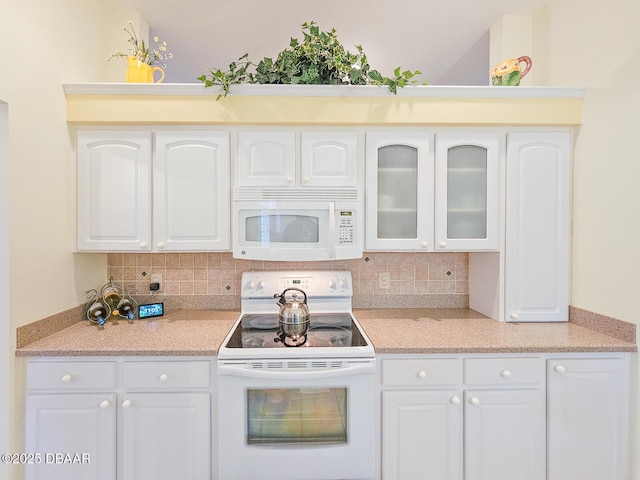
(175, 104)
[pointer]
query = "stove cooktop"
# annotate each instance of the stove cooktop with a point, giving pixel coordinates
(326, 330)
(333, 330)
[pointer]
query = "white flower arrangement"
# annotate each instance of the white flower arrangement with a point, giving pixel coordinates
(142, 52)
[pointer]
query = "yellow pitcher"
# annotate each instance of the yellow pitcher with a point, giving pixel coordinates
(140, 72)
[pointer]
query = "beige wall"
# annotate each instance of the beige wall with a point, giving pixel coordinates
(53, 43)
(42, 45)
(589, 44)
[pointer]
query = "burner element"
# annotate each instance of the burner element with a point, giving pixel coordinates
(290, 340)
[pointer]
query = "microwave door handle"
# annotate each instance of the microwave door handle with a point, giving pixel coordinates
(332, 230)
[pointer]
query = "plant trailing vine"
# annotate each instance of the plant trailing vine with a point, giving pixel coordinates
(320, 59)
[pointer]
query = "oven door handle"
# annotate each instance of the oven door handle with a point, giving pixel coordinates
(241, 370)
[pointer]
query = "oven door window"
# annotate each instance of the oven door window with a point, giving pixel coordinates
(282, 228)
(297, 416)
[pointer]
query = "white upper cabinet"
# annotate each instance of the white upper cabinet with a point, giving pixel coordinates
(189, 178)
(399, 199)
(538, 196)
(467, 190)
(286, 158)
(329, 159)
(191, 191)
(114, 190)
(266, 158)
(417, 186)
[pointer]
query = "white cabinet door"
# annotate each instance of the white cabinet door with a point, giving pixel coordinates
(165, 436)
(400, 183)
(81, 425)
(114, 190)
(266, 158)
(329, 159)
(588, 418)
(421, 435)
(467, 190)
(537, 227)
(504, 436)
(191, 191)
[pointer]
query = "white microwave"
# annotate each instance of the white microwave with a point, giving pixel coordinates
(297, 224)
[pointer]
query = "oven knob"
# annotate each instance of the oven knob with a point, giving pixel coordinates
(342, 283)
(331, 284)
(260, 285)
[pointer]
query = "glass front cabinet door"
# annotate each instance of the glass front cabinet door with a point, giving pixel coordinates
(399, 190)
(467, 190)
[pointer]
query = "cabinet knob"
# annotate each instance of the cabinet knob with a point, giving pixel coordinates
(66, 378)
(442, 244)
(422, 374)
(515, 316)
(289, 180)
(305, 180)
(560, 368)
(505, 374)
(474, 401)
(104, 404)
(160, 245)
(143, 245)
(455, 400)
(126, 404)
(424, 245)
(164, 377)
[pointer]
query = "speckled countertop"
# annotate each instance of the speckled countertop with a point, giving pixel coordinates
(178, 333)
(467, 331)
(200, 333)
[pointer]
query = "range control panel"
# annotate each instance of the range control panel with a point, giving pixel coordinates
(315, 283)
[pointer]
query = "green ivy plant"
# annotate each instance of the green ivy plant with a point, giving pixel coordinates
(320, 59)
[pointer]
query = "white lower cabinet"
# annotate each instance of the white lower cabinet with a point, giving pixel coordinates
(524, 417)
(504, 434)
(165, 436)
(588, 418)
(421, 434)
(71, 423)
(121, 419)
(463, 418)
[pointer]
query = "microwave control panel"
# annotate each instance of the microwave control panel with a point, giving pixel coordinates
(346, 220)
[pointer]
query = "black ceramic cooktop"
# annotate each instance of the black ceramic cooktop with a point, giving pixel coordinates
(326, 330)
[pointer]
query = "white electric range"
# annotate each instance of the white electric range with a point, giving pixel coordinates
(297, 412)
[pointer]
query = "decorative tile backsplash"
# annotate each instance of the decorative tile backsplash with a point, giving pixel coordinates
(196, 274)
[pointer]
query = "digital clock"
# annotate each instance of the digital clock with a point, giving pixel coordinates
(150, 310)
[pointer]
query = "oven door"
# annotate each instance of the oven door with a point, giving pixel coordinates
(310, 231)
(296, 420)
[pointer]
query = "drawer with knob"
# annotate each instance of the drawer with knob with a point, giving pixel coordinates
(507, 371)
(421, 372)
(70, 376)
(166, 374)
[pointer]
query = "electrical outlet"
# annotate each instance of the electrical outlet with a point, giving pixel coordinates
(156, 278)
(383, 280)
